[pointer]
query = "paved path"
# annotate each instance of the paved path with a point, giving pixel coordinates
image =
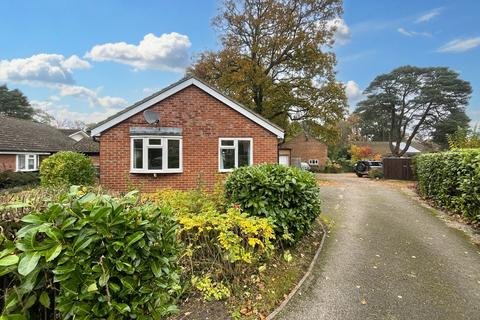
(387, 257)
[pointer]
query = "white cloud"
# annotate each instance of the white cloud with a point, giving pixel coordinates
(92, 97)
(63, 113)
(42, 69)
(413, 33)
(429, 15)
(169, 52)
(353, 92)
(460, 45)
(74, 62)
(342, 31)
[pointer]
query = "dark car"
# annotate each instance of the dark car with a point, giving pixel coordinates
(362, 167)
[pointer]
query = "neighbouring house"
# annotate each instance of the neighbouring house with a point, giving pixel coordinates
(24, 144)
(382, 148)
(84, 144)
(182, 135)
(303, 148)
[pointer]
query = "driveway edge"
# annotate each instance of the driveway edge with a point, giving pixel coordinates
(305, 276)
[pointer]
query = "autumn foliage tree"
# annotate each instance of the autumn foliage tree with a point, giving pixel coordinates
(273, 59)
(360, 153)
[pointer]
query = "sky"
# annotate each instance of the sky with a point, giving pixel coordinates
(86, 60)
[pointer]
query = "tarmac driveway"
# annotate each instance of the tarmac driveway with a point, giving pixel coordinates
(387, 257)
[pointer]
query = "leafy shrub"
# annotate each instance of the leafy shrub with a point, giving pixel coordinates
(332, 166)
(67, 168)
(286, 195)
(220, 243)
(451, 179)
(375, 174)
(10, 179)
(210, 289)
(93, 256)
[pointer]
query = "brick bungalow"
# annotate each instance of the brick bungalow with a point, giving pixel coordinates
(303, 148)
(24, 144)
(200, 135)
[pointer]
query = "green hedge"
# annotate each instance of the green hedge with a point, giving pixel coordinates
(10, 179)
(452, 180)
(287, 195)
(67, 168)
(92, 256)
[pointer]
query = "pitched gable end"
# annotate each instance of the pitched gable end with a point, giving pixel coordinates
(169, 91)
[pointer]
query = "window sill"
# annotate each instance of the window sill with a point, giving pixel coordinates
(225, 170)
(27, 170)
(156, 171)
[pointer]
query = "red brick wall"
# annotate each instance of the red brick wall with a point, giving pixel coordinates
(203, 120)
(8, 162)
(307, 148)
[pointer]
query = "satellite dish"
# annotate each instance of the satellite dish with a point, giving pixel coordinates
(151, 117)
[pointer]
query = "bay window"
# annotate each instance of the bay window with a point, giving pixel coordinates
(154, 154)
(234, 153)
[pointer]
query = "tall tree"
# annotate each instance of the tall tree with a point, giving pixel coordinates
(14, 104)
(273, 60)
(415, 99)
(374, 123)
(457, 120)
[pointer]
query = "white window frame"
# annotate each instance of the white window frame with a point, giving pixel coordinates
(27, 156)
(163, 146)
(235, 147)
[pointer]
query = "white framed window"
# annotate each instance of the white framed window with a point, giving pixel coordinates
(313, 162)
(234, 153)
(155, 154)
(27, 162)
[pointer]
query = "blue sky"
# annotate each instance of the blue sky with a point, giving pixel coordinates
(84, 60)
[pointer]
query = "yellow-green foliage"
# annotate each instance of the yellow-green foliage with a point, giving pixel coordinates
(211, 290)
(234, 235)
(218, 243)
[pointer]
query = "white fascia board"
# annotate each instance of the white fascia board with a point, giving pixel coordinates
(26, 152)
(182, 85)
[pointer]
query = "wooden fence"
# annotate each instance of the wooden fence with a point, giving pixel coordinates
(398, 168)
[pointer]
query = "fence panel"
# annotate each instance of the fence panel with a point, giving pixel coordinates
(398, 168)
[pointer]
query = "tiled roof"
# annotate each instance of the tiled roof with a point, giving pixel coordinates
(25, 135)
(69, 132)
(87, 145)
(19, 135)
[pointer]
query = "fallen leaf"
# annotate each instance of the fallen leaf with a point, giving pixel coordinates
(363, 301)
(400, 297)
(413, 257)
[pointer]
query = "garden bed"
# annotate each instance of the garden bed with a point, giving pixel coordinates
(246, 244)
(257, 295)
